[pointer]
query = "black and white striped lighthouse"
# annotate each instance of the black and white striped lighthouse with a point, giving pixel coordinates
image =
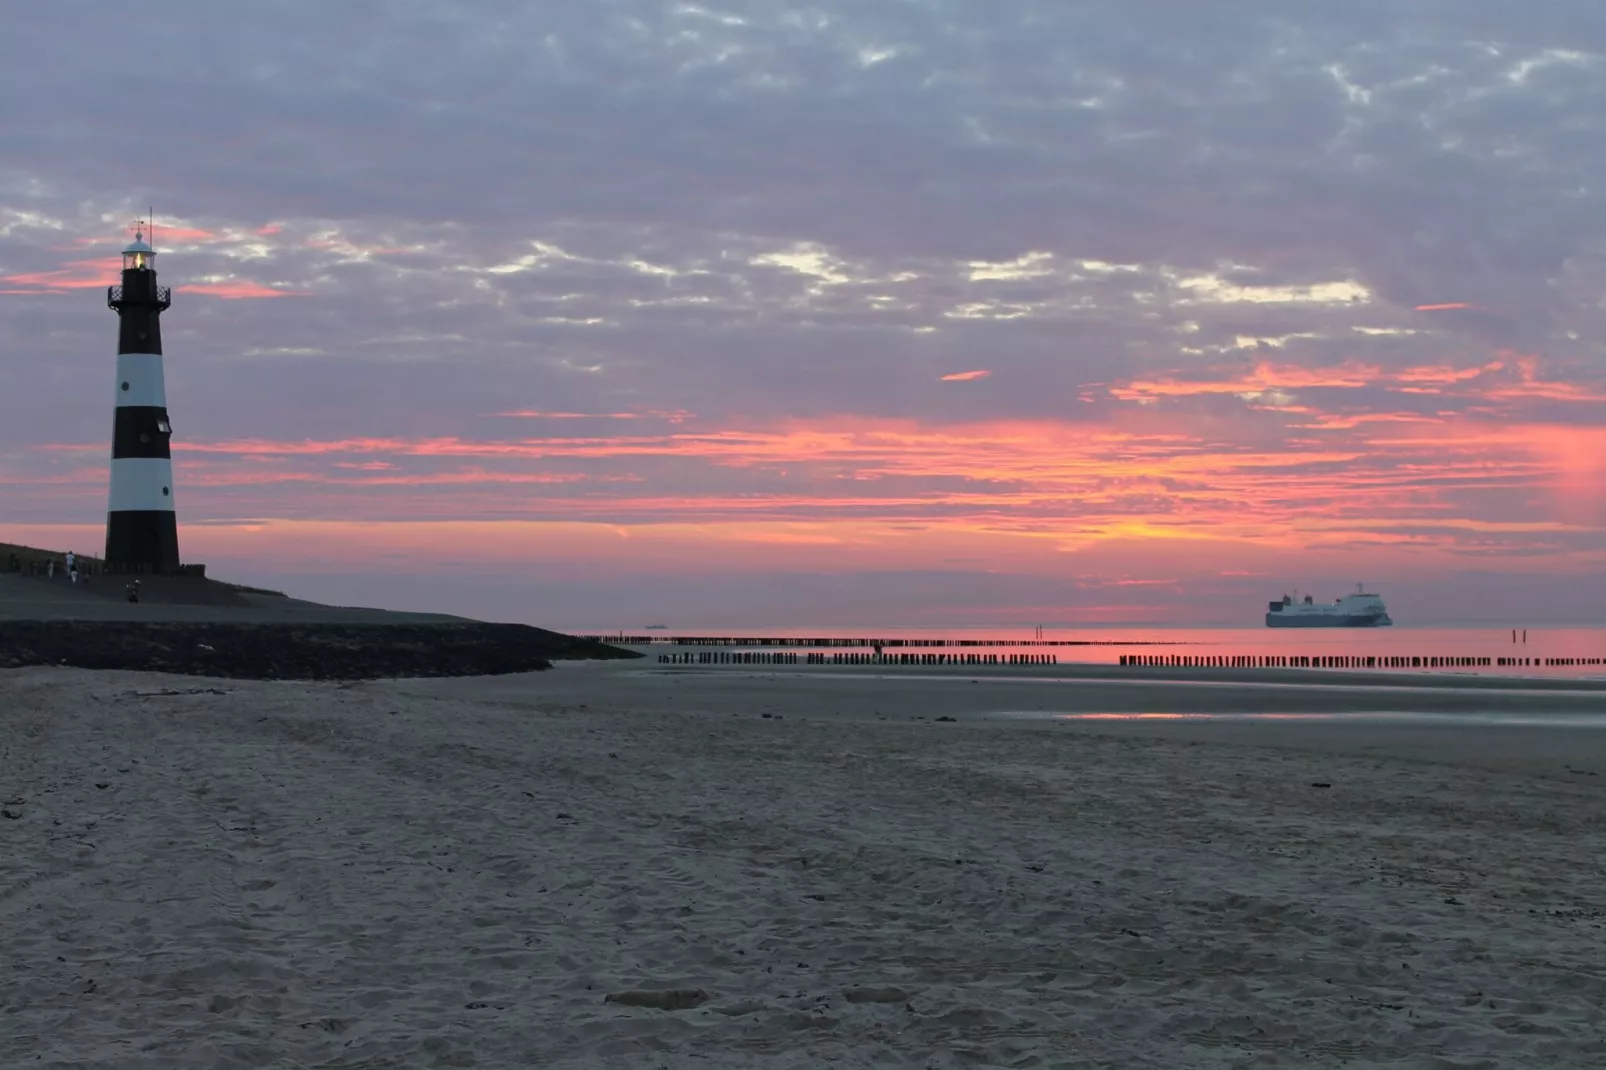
(141, 527)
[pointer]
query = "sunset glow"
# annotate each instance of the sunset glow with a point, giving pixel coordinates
(937, 337)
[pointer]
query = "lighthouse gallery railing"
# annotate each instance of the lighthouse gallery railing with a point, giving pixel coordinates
(163, 295)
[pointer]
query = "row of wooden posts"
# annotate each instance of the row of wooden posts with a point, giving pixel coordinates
(1343, 661)
(620, 639)
(713, 657)
(1180, 661)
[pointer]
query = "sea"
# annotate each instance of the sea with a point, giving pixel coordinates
(1563, 651)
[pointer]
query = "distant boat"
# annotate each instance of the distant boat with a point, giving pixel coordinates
(657, 627)
(1357, 610)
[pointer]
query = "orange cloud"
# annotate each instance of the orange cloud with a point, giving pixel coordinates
(1173, 493)
(1068, 487)
(1344, 422)
(1443, 374)
(1512, 377)
(1266, 376)
(965, 377)
(1450, 307)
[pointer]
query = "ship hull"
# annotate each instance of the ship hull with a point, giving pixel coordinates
(1333, 620)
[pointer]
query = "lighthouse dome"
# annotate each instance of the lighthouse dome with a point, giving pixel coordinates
(139, 255)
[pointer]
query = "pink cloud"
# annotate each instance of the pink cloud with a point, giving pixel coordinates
(73, 275)
(237, 291)
(162, 235)
(965, 377)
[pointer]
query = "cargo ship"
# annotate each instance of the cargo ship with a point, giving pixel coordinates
(1357, 610)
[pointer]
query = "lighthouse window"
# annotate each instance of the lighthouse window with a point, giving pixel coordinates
(144, 438)
(164, 427)
(164, 492)
(125, 387)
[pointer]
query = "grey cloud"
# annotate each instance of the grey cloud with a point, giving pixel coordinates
(1272, 144)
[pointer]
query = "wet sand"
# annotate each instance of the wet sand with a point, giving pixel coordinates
(855, 692)
(459, 873)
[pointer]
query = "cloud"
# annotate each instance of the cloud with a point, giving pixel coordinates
(712, 237)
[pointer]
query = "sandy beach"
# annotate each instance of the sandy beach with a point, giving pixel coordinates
(802, 870)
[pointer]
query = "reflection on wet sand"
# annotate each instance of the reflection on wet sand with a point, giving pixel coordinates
(1536, 720)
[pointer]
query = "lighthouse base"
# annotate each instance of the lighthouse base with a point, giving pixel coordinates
(142, 541)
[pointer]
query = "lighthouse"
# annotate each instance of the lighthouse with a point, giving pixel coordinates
(141, 527)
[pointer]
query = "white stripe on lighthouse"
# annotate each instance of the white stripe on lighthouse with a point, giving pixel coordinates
(140, 381)
(142, 485)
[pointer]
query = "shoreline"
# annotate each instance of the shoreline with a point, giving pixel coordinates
(1074, 671)
(864, 693)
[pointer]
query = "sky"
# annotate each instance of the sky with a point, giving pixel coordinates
(606, 313)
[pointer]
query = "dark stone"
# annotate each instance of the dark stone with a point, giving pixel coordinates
(876, 995)
(674, 999)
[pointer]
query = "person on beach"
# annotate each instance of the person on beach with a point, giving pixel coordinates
(72, 562)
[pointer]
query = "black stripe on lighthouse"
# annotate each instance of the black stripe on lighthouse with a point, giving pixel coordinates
(141, 432)
(141, 526)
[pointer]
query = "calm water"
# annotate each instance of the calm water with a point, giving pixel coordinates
(1399, 641)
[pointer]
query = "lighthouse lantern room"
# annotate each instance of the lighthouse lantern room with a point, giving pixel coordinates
(141, 526)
